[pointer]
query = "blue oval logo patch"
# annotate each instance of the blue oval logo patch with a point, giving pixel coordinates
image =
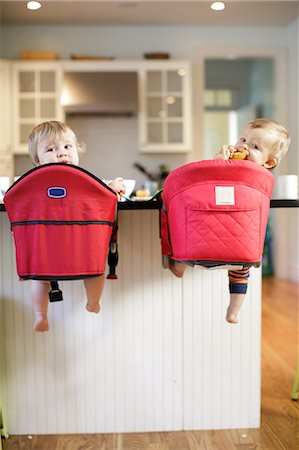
(56, 192)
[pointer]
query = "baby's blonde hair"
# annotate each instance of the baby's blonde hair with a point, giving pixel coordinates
(49, 130)
(281, 139)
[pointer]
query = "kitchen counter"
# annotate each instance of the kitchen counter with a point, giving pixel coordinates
(156, 204)
(159, 356)
(277, 203)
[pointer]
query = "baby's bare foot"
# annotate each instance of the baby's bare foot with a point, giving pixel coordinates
(93, 308)
(176, 267)
(232, 316)
(41, 323)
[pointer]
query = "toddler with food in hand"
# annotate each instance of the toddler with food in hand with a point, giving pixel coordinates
(264, 142)
(55, 142)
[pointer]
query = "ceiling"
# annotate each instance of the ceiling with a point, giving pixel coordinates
(151, 12)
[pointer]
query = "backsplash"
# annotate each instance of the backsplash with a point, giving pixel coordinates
(112, 149)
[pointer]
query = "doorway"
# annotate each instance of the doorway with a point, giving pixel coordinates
(235, 92)
(257, 81)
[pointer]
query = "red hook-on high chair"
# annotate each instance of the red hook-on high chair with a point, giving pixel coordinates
(62, 219)
(215, 212)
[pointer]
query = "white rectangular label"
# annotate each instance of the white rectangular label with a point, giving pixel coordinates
(225, 195)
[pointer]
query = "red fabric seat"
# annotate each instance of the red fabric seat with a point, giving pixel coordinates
(62, 218)
(215, 212)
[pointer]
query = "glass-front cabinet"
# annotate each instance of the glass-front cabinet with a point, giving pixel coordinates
(6, 119)
(165, 108)
(37, 87)
(164, 99)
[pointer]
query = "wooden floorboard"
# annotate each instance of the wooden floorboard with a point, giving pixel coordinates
(280, 415)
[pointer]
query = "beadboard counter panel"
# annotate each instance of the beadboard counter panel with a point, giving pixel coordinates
(159, 356)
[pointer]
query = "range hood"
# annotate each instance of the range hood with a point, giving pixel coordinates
(105, 94)
(97, 111)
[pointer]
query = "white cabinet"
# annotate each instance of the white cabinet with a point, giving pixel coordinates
(165, 119)
(37, 89)
(6, 157)
(164, 99)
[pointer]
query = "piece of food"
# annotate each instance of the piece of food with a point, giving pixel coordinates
(237, 154)
(240, 155)
(142, 192)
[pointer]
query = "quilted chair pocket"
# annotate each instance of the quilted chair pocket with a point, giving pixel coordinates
(224, 235)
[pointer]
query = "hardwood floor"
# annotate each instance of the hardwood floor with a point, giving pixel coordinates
(280, 415)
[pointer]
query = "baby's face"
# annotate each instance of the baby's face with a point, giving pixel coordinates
(260, 144)
(62, 150)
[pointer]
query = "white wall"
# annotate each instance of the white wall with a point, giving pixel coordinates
(293, 160)
(133, 41)
(113, 153)
(287, 221)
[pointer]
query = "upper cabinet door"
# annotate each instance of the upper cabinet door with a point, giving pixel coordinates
(6, 119)
(165, 119)
(37, 90)
(164, 99)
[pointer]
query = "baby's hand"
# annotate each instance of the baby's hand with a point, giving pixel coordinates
(118, 185)
(224, 153)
